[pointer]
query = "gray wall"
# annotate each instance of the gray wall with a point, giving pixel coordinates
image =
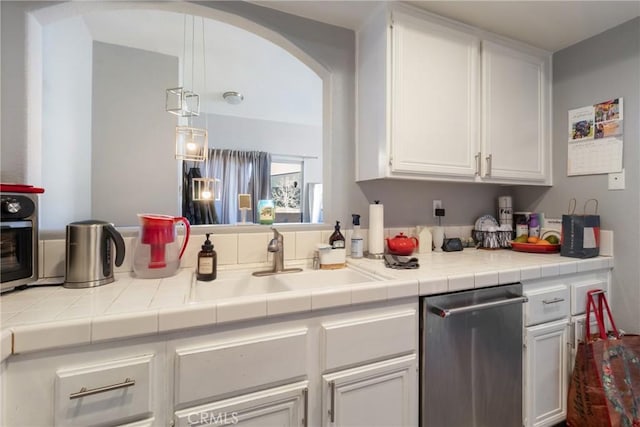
(598, 69)
(133, 134)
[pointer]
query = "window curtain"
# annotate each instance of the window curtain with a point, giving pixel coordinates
(241, 172)
(196, 211)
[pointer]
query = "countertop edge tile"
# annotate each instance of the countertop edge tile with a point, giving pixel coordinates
(433, 286)
(289, 302)
(332, 297)
(508, 276)
(6, 344)
(549, 270)
(460, 282)
(485, 278)
(402, 289)
(242, 308)
(191, 316)
(124, 325)
(530, 273)
(62, 333)
(369, 293)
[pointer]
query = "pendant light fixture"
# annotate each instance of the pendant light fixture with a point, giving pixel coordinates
(183, 101)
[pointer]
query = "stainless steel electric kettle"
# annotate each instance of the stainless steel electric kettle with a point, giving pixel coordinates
(89, 260)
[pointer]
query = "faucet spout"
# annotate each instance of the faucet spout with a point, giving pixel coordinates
(276, 247)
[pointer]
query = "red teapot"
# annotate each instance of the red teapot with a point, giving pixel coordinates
(402, 245)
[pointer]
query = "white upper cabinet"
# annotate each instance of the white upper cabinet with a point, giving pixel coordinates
(515, 99)
(431, 67)
(442, 101)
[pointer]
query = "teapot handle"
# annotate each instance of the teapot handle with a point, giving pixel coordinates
(415, 239)
(187, 226)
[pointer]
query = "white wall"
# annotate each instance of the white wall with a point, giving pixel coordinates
(66, 123)
(133, 134)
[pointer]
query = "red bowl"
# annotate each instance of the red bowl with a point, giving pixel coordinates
(533, 248)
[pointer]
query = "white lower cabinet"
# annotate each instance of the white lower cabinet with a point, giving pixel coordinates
(554, 323)
(378, 394)
(546, 373)
(285, 406)
(344, 368)
(100, 385)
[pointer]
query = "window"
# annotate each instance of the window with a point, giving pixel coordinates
(286, 189)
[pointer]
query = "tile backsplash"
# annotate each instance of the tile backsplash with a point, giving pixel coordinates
(240, 248)
(251, 248)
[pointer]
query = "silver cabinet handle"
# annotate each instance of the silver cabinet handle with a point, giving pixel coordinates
(332, 409)
(478, 156)
(446, 312)
(88, 392)
(305, 395)
(489, 159)
(552, 301)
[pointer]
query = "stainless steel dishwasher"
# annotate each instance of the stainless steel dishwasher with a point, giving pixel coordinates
(471, 358)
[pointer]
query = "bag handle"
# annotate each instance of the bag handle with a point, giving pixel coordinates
(598, 312)
(595, 212)
(573, 203)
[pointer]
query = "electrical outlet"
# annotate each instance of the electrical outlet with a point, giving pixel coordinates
(616, 180)
(437, 204)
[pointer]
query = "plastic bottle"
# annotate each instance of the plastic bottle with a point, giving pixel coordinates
(357, 241)
(534, 226)
(336, 240)
(207, 262)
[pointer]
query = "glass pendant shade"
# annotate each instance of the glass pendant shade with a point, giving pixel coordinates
(182, 102)
(206, 189)
(191, 143)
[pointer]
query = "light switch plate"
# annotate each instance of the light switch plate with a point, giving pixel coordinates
(616, 180)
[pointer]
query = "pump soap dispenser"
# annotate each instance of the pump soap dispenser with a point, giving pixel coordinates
(207, 262)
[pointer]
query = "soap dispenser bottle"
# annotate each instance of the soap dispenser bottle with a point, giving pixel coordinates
(336, 240)
(207, 262)
(357, 242)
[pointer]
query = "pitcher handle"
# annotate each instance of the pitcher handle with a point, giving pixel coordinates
(187, 226)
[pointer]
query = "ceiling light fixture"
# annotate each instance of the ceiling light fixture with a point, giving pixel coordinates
(191, 141)
(232, 97)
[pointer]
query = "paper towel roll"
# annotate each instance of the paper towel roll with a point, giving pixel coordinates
(376, 229)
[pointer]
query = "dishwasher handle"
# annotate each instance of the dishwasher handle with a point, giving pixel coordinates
(446, 312)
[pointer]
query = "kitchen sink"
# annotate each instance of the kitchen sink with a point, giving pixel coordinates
(235, 283)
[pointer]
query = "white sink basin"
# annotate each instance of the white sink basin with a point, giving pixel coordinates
(231, 284)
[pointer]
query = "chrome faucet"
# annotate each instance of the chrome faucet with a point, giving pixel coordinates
(276, 247)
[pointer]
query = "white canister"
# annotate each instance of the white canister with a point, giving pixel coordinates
(438, 238)
(425, 241)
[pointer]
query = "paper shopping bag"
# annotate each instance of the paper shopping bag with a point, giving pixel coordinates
(580, 237)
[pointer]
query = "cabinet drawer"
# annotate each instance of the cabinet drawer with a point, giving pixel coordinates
(579, 294)
(231, 366)
(365, 339)
(280, 406)
(546, 304)
(108, 393)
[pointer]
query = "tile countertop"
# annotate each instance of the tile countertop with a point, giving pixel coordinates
(46, 317)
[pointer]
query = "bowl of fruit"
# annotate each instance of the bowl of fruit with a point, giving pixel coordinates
(547, 243)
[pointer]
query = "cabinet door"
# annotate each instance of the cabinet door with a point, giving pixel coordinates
(434, 99)
(515, 108)
(379, 394)
(284, 406)
(546, 374)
